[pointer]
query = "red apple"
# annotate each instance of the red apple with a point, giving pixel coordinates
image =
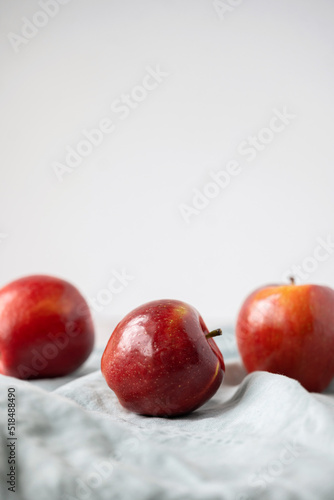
(289, 329)
(46, 329)
(161, 360)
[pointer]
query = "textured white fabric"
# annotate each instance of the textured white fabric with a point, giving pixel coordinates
(262, 436)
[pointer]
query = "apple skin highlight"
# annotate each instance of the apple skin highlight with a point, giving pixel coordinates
(46, 329)
(289, 330)
(159, 362)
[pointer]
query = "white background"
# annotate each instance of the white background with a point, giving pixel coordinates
(120, 208)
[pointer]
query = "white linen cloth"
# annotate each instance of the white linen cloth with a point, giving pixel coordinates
(262, 436)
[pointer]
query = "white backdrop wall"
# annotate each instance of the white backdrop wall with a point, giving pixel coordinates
(212, 172)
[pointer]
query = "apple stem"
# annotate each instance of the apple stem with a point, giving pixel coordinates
(214, 333)
(292, 280)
